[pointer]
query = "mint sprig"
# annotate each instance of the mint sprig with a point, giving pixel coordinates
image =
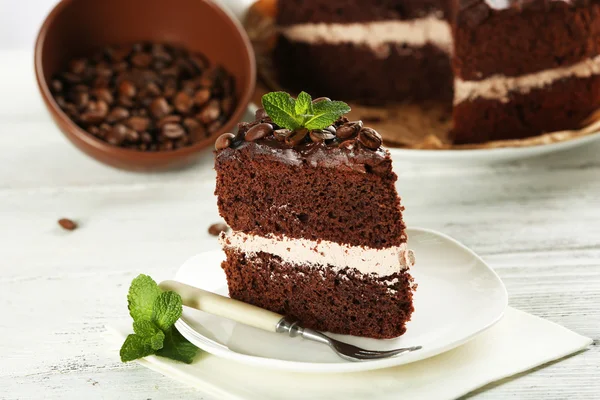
(154, 313)
(301, 112)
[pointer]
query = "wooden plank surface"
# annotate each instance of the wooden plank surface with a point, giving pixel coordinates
(537, 222)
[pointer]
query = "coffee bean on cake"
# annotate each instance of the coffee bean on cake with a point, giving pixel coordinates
(147, 97)
(259, 131)
(349, 129)
(224, 141)
(370, 138)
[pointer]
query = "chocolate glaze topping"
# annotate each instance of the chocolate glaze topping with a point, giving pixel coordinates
(360, 150)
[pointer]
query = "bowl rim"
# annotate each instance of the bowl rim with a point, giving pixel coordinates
(72, 129)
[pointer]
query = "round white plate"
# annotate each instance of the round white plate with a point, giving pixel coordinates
(458, 296)
(487, 156)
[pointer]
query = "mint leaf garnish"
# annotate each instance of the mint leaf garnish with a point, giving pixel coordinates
(301, 112)
(135, 347)
(167, 310)
(153, 336)
(326, 113)
(154, 313)
(281, 107)
(177, 348)
(142, 293)
(303, 104)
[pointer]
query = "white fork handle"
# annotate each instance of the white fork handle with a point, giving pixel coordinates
(222, 306)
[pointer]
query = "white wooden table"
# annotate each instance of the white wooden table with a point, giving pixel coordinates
(537, 222)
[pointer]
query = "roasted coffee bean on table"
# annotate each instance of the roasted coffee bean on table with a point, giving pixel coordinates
(147, 97)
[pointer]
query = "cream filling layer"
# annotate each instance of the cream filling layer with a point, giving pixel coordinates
(417, 32)
(381, 262)
(499, 87)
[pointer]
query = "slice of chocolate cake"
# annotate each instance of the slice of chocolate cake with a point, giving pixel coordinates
(374, 52)
(317, 231)
(525, 67)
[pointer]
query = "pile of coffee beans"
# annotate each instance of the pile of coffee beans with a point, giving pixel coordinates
(343, 133)
(147, 97)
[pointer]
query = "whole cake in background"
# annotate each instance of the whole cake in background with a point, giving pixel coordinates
(525, 67)
(317, 230)
(371, 51)
(512, 69)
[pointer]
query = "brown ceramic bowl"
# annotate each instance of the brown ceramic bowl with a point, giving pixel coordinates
(77, 27)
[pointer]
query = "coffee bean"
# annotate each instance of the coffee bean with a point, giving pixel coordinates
(138, 124)
(201, 97)
(259, 131)
(141, 60)
(281, 134)
(349, 129)
(132, 136)
(67, 224)
(117, 134)
(117, 114)
(125, 101)
(152, 89)
(260, 114)
(370, 138)
(224, 141)
(183, 103)
(169, 119)
(145, 137)
(103, 94)
(81, 99)
(96, 112)
(173, 131)
(159, 107)
(77, 66)
(210, 113)
(348, 144)
(296, 137)
(56, 86)
(127, 89)
(217, 229)
(332, 129)
(318, 135)
(318, 99)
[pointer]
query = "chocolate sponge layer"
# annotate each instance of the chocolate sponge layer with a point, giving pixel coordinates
(340, 302)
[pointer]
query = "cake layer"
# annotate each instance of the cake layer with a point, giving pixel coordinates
(500, 87)
(292, 12)
(389, 73)
(559, 106)
(312, 192)
(380, 262)
(415, 33)
(343, 301)
(494, 40)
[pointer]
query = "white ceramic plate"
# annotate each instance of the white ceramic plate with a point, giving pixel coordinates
(458, 296)
(487, 156)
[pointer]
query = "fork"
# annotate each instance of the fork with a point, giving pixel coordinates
(257, 317)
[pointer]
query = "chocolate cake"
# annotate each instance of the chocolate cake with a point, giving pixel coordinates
(514, 68)
(375, 53)
(317, 230)
(524, 67)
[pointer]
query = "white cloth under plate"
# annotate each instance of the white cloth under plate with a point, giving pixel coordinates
(519, 342)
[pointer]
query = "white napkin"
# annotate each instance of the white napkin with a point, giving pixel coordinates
(517, 343)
